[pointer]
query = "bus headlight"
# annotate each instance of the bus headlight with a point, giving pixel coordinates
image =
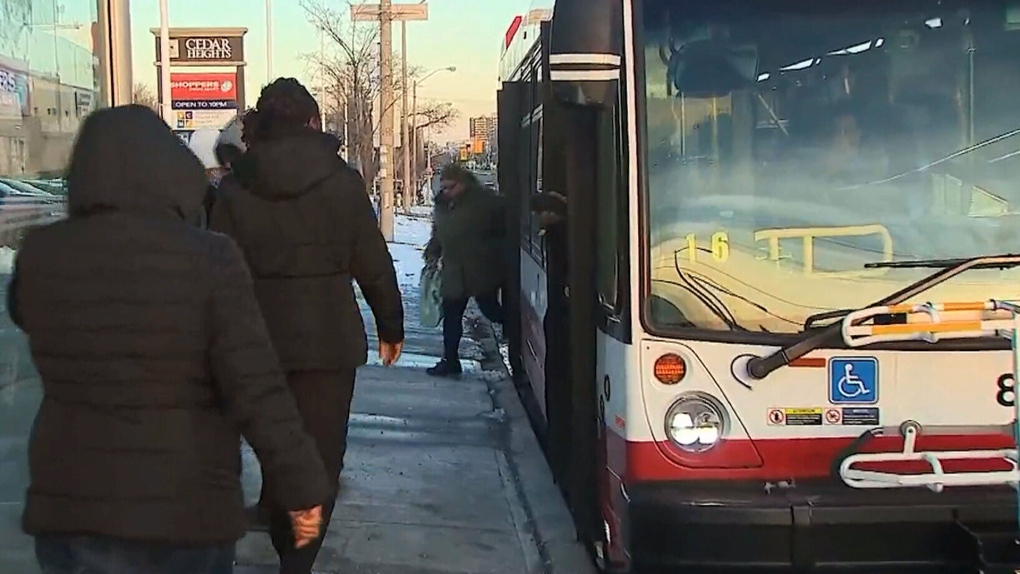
(696, 422)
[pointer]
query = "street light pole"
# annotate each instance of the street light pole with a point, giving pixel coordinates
(164, 62)
(414, 120)
(269, 41)
(413, 178)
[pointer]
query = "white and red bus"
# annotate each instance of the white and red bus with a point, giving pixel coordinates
(726, 345)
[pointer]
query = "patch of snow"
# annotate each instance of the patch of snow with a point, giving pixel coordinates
(7, 260)
(410, 235)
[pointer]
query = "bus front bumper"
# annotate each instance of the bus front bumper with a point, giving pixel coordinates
(821, 527)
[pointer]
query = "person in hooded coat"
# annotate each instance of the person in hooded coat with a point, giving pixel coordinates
(304, 221)
(468, 238)
(154, 360)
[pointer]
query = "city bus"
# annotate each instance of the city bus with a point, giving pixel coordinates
(772, 332)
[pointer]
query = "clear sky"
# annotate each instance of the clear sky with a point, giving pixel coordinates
(462, 33)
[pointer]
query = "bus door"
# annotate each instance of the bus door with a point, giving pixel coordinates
(509, 105)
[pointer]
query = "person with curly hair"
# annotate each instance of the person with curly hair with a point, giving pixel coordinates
(305, 224)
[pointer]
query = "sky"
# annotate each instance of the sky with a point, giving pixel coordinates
(462, 33)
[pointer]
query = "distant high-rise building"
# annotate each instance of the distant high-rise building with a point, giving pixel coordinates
(482, 127)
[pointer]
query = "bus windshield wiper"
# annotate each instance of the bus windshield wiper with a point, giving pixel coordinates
(940, 264)
(760, 367)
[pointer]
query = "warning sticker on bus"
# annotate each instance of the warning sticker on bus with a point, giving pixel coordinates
(795, 417)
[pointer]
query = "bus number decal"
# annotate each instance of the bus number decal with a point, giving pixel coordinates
(720, 247)
(1006, 395)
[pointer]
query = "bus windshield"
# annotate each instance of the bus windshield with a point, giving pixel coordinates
(790, 143)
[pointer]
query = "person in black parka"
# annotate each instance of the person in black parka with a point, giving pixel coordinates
(304, 221)
(154, 359)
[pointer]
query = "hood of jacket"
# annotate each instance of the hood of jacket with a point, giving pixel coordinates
(127, 159)
(289, 166)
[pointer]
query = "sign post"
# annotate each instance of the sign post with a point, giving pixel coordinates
(385, 13)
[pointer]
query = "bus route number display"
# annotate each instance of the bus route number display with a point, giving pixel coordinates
(1005, 392)
(719, 247)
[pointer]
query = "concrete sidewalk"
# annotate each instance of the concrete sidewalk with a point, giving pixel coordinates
(442, 476)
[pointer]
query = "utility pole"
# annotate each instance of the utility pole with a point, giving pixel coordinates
(385, 12)
(386, 119)
(405, 140)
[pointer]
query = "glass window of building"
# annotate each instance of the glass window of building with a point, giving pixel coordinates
(49, 81)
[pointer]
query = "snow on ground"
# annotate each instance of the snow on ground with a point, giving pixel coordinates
(410, 235)
(7, 260)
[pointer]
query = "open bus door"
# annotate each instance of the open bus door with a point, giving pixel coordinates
(509, 104)
(584, 61)
(531, 143)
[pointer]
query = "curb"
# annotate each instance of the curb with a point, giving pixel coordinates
(550, 520)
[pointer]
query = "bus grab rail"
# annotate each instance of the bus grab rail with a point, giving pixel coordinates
(934, 328)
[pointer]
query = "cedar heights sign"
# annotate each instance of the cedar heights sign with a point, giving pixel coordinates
(204, 46)
(207, 49)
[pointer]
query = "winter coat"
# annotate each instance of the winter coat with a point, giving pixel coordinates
(306, 226)
(153, 356)
(469, 234)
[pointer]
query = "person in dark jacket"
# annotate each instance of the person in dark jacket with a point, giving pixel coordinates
(468, 235)
(304, 221)
(154, 359)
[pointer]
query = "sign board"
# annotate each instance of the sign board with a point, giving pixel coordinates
(14, 93)
(407, 12)
(209, 86)
(202, 119)
(198, 49)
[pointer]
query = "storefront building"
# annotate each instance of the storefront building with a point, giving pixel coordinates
(59, 61)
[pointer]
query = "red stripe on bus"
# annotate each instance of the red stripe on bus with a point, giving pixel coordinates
(782, 459)
(511, 31)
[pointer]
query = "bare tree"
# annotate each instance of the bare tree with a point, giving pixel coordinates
(349, 71)
(434, 115)
(143, 95)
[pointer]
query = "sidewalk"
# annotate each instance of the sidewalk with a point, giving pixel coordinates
(442, 476)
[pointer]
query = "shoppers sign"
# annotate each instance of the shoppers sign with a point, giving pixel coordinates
(193, 87)
(203, 100)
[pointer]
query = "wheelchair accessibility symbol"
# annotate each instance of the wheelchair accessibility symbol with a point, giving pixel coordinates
(853, 381)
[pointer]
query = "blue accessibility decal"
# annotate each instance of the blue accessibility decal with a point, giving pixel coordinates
(853, 381)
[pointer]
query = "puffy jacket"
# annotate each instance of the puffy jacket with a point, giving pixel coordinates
(153, 355)
(306, 226)
(469, 234)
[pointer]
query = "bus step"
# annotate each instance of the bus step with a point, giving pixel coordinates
(995, 549)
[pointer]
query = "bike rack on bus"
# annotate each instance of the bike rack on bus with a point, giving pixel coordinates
(932, 329)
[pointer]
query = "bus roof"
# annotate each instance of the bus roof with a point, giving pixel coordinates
(520, 37)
